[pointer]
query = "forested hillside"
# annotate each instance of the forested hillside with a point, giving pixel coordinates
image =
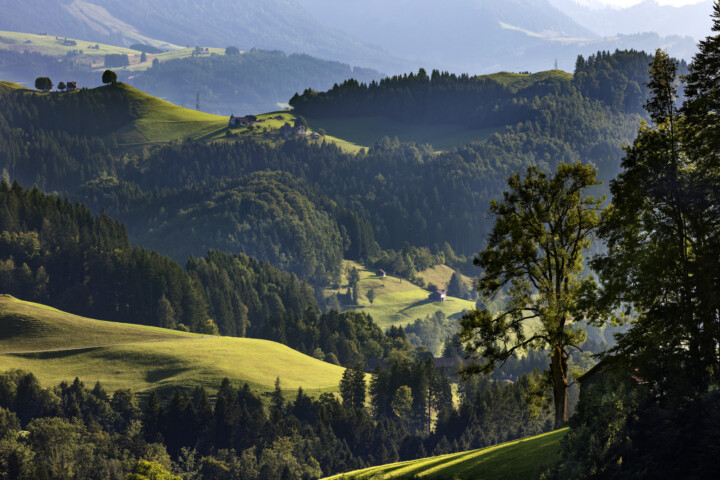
(57, 252)
(251, 82)
(388, 195)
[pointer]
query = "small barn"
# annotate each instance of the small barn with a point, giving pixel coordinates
(71, 86)
(242, 121)
(381, 273)
(438, 296)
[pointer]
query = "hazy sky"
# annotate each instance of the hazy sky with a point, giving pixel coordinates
(628, 3)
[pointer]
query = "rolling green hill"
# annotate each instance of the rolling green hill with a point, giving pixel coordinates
(158, 121)
(520, 459)
(398, 302)
(440, 275)
(27, 326)
(58, 346)
(9, 87)
(130, 116)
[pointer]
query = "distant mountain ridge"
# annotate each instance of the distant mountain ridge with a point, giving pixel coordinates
(476, 36)
(270, 24)
(648, 16)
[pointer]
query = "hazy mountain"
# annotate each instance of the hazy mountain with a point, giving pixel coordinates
(648, 16)
(270, 24)
(474, 36)
(481, 36)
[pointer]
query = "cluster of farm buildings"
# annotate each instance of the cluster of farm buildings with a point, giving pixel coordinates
(286, 131)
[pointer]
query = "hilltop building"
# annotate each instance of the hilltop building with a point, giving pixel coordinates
(242, 121)
(71, 86)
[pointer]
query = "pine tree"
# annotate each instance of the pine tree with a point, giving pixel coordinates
(277, 402)
(152, 419)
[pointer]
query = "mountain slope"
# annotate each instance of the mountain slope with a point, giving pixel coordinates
(481, 36)
(271, 24)
(648, 16)
(145, 358)
(526, 459)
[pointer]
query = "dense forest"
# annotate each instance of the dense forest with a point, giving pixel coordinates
(617, 79)
(364, 204)
(72, 431)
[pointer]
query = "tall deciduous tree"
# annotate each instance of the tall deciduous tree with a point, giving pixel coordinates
(109, 76)
(43, 83)
(542, 228)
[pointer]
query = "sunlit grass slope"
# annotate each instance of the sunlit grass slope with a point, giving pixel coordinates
(397, 301)
(27, 326)
(50, 45)
(274, 120)
(440, 275)
(9, 87)
(519, 81)
(161, 121)
(524, 459)
(165, 361)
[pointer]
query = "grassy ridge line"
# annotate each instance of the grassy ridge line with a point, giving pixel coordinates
(27, 326)
(9, 87)
(168, 363)
(160, 121)
(519, 459)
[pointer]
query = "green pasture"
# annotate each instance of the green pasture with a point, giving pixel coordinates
(398, 302)
(269, 122)
(146, 358)
(440, 276)
(519, 81)
(524, 459)
(159, 121)
(50, 45)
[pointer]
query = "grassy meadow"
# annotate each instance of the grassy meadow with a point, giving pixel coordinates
(52, 46)
(524, 459)
(440, 275)
(159, 121)
(274, 120)
(146, 358)
(398, 302)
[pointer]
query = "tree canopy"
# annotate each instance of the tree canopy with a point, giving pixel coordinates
(543, 226)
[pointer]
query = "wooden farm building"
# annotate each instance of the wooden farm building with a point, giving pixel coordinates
(438, 296)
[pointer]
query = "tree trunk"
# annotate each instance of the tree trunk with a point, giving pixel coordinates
(558, 370)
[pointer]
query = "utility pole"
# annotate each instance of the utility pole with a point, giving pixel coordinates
(197, 101)
(556, 67)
